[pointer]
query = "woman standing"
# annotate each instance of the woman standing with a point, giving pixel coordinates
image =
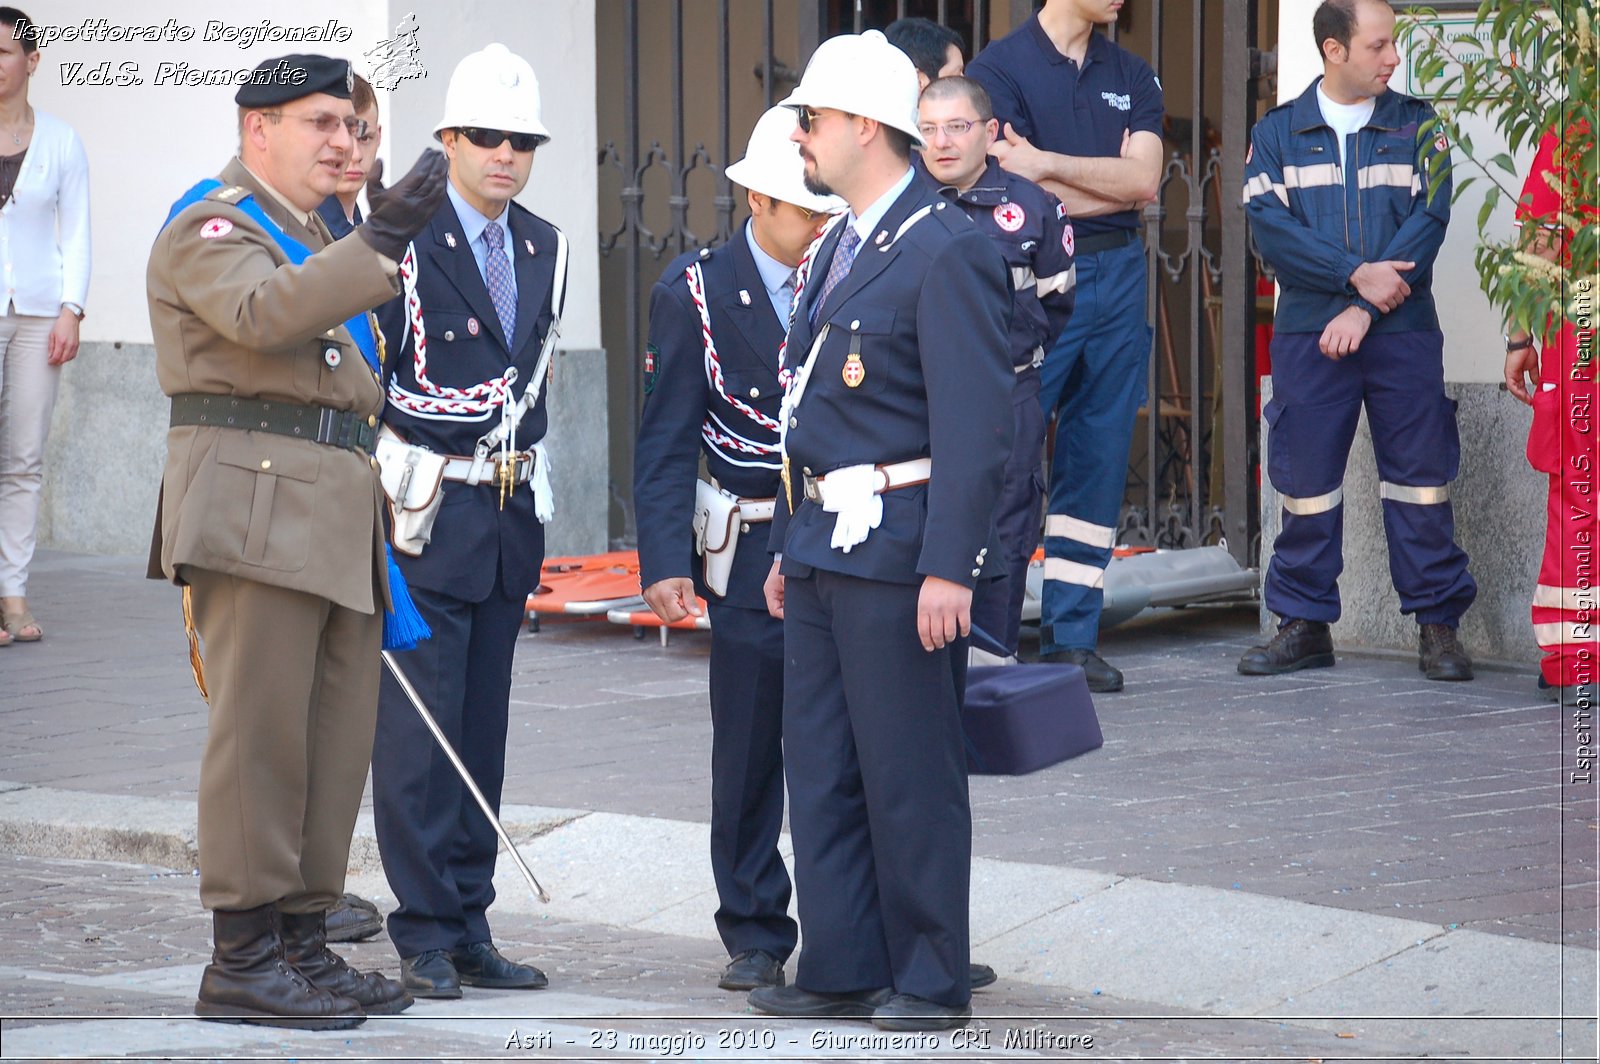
(44, 280)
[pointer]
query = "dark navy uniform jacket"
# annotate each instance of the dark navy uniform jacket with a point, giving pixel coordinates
(1063, 108)
(927, 312)
(1315, 222)
(466, 346)
(1030, 227)
(332, 212)
(682, 408)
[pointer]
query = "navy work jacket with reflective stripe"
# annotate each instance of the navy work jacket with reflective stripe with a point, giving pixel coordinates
(1315, 221)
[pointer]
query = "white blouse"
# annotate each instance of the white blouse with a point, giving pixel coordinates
(44, 226)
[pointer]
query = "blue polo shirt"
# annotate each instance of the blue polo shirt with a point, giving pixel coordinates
(1030, 82)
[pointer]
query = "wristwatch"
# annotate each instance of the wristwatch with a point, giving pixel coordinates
(1518, 345)
(77, 311)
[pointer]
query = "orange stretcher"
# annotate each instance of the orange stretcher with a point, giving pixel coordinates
(643, 618)
(586, 585)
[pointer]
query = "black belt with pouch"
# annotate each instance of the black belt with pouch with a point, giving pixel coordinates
(319, 424)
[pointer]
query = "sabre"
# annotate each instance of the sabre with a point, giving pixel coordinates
(461, 769)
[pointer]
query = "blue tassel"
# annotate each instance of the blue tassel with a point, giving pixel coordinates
(403, 626)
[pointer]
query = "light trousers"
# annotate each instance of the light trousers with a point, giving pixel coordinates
(27, 397)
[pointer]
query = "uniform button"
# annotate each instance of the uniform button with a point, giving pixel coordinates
(755, 393)
(449, 334)
(373, 461)
(806, 470)
(372, 421)
(266, 463)
(744, 528)
(855, 325)
(793, 422)
(977, 572)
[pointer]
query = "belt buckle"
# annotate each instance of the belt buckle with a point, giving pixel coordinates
(882, 471)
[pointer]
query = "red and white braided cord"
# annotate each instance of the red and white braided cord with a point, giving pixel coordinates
(802, 275)
(478, 399)
(697, 292)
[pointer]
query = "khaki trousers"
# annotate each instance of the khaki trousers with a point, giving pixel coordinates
(28, 385)
(294, 701)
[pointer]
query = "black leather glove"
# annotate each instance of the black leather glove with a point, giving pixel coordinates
(399, 213)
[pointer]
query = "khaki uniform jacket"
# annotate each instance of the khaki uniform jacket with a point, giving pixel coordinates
(231, 316)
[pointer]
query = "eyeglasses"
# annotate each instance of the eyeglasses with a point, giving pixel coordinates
(328, 124)
(956, 127)
(806, 116)
(493, 138)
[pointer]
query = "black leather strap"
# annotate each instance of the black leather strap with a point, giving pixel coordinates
(319, 424)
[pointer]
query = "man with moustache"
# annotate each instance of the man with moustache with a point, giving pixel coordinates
(1082, 116)
(467, 344)
(1031, 229)
(270, 517)
(895, 430)
(717, 320)
(1337, 192)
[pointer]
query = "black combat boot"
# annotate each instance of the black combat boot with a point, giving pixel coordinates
(1298, 645)
(249, 981)
(305, 945)
(1439, 655)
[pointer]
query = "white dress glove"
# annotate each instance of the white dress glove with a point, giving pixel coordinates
(849, 493)
(544, 496)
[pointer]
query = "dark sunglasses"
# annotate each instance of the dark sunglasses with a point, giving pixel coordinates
(493, 138)
(805, 116)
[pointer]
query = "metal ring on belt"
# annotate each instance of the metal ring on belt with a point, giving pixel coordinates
(1108, 240)
(458, 468)
(344, 429)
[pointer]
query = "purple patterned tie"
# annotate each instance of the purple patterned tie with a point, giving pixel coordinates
(843, 256)
(499, 275)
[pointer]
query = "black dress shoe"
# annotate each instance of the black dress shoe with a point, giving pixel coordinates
(907, 1012)
(751, 969)
(1298, 645)
(1440, 655)
(353, 919)
(792, 1001)
(480, 964)
(430, 974)
(1102, 678)
(980, 975)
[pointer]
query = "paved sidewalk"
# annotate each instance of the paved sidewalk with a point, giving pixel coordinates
(1326, 849)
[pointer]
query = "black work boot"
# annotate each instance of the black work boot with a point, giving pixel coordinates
(1102, 678)
(1298, 645)
(1439, 655)
(305, 945)
(250, 981)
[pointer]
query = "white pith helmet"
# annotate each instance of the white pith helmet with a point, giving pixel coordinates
(865, 75)
(493, 89)
(772, 165)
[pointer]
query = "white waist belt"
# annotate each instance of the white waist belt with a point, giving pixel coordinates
(890, 476)
(459, 468)
(755, 511)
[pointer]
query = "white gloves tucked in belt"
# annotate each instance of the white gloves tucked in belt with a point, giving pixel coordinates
(544, 496)
(849, 492)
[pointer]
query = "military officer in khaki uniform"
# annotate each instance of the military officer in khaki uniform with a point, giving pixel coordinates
(270, 517)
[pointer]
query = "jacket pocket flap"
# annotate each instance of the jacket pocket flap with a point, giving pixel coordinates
(264, 453)
(856, 318)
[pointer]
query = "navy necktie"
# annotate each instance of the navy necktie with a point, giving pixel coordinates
(498, 272)
(843, 256)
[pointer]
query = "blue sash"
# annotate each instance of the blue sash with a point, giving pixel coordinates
(359, 327)
(403, 625)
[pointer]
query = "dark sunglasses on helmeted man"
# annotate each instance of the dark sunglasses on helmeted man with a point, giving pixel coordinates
(493, 138)
(806, 116)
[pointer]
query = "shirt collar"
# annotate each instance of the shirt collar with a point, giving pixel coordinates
(1093, 53)
(303, 217)
(870, 217)
(773, 273)
(473, 221)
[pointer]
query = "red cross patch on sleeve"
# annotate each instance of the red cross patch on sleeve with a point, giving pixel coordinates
(215, 227)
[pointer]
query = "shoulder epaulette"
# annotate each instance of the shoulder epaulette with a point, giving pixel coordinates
(229, 193)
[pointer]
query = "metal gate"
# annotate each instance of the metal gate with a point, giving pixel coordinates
(683, 81)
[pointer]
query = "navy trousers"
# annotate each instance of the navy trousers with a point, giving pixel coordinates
(1312, 417)
(438, 848)
(997, 604)
(878, 791)
(1093, 382)
(747, 781)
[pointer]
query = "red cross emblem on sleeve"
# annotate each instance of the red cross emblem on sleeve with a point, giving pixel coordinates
(1009, 216)
(215, 227)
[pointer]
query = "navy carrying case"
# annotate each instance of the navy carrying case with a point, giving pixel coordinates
(1021, 718)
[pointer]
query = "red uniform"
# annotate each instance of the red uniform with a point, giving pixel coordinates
(1562, 444)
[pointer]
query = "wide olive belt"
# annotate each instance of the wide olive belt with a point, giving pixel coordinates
(319, 424)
